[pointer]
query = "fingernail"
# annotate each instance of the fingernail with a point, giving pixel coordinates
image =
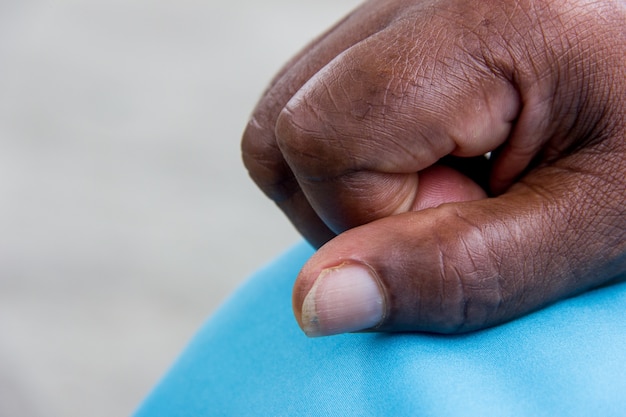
(344, 299)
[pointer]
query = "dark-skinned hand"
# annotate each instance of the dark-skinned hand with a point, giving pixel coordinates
(373, 141)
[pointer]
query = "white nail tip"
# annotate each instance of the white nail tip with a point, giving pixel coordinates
(344, 299)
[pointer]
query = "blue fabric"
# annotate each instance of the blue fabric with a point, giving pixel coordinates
(251, 359)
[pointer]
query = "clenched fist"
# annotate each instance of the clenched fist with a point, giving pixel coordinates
(461, 162)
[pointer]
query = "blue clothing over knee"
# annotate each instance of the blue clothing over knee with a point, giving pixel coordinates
(251, 359)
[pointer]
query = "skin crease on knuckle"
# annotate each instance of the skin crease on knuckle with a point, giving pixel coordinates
(466, 292)
(491, 260)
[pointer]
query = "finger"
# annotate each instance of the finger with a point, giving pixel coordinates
(357, 134)
(461, 267)
(261, 155)
(440, 184)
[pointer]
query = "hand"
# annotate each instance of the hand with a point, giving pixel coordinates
(373, 138)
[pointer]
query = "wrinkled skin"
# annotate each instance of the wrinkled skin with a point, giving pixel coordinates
(371, 140)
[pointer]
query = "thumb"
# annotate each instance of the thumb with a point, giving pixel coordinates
(465, 266)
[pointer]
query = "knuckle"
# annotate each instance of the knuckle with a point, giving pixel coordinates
(305, 140)
(265, 163)
(471, 295)
(258, 155)
(294, 128)
(255, 149)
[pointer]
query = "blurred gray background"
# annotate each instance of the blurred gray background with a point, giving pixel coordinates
(126, 216)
